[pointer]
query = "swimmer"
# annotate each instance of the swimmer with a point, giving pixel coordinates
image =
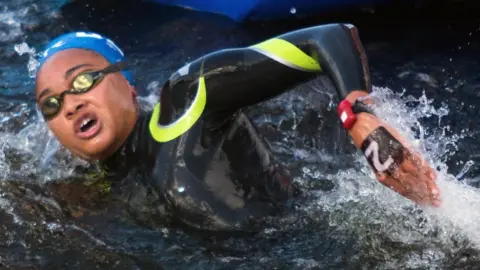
(196, 154)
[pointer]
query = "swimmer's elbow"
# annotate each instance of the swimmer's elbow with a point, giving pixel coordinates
(341, 54)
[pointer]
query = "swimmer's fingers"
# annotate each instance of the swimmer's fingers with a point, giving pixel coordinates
(418, 165)
(417, 181)
(423, 177)
(392, 183)
(408, 186)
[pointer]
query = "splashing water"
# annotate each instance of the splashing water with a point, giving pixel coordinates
(460, 202)
(460, 208)
(361, 204)
(35, 154)
(33, 63)
(465, 169)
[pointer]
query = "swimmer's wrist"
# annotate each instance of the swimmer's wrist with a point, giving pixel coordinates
(355, 103)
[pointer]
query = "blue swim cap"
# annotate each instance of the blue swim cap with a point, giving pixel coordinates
(89, 41)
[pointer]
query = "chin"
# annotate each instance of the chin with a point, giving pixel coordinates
(98, 148)
(91, 155)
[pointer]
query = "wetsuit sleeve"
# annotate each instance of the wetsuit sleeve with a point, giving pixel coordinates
(234, 78)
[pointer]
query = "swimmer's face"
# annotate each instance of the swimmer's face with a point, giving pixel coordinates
(92, 125)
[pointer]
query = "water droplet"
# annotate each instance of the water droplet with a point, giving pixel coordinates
(465, 169)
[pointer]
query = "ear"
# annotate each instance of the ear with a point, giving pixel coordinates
(134, 97)
(134, 92)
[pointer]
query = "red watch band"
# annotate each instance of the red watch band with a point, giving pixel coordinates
(345, 112)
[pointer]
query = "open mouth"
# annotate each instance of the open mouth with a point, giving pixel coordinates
(87, 126)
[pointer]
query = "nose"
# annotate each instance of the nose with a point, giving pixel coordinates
(72, 104)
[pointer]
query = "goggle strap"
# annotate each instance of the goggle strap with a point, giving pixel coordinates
(114, 67)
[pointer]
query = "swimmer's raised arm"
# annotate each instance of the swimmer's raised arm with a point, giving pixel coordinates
(219, 84)
(236, 78)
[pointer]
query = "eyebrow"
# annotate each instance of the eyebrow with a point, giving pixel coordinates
(43, 93)
(69, 72)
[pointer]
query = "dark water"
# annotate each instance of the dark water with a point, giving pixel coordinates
(428, 57)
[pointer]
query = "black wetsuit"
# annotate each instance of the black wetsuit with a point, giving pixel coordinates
(199, 158)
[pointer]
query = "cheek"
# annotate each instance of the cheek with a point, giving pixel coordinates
(114, 93)
(62, 131)
(118, 98)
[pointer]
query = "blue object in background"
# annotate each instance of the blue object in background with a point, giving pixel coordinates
(241, 10)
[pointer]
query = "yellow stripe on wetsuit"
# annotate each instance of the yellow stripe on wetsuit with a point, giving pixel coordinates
(278, 49)
(171, 131)
(288, 54)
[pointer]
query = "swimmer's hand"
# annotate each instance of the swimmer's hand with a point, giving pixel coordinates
(395, 164)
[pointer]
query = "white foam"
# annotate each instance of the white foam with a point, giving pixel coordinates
(460, 209)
